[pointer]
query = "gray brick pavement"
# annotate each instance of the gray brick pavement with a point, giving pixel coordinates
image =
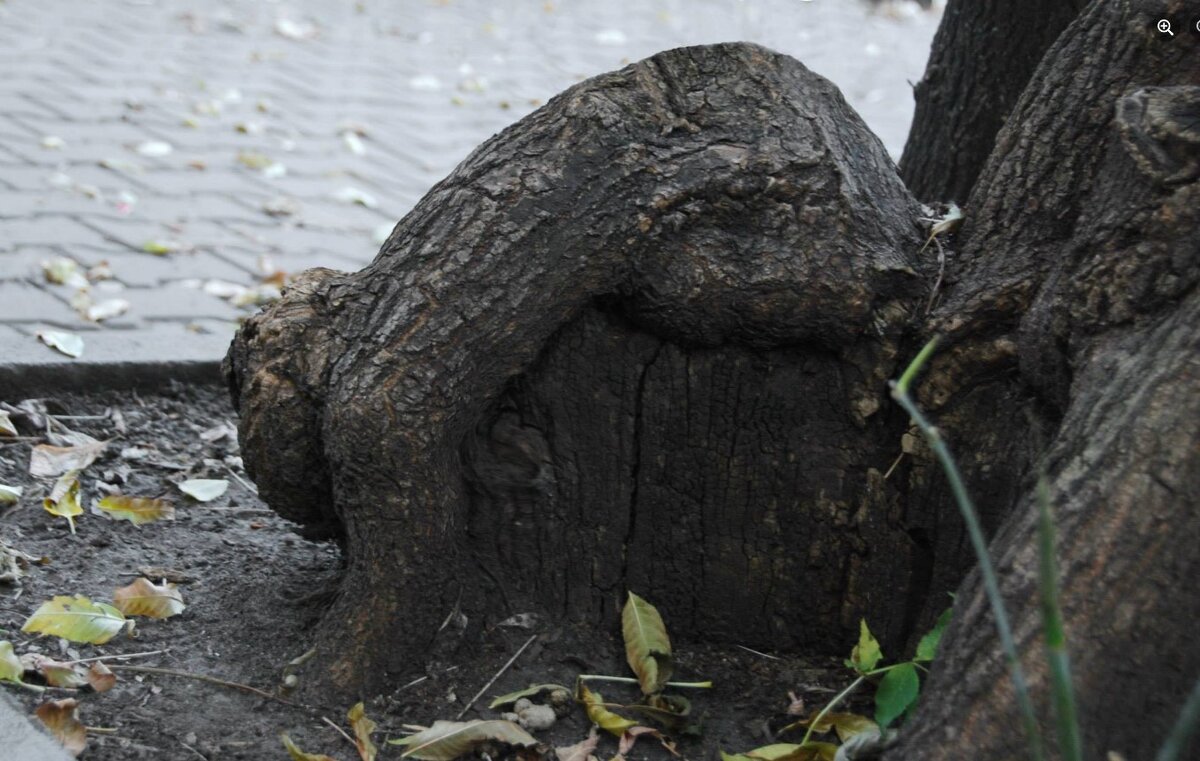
(86, 83)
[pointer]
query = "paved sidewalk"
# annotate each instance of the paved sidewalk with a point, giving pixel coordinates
(181, 153)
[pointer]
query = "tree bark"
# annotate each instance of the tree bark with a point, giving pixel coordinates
(638, 341)
(1077, 281)
(982, 57)
(641, 339)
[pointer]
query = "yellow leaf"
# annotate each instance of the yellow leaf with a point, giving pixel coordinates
(847, 724)
(61, 717)
(299, 755)
(647, 648)
(11, 669)
(866, 654)
(363, 727)
(77, 619)
(64, 498)
(593, 703)
(145, 598)
(136, 510)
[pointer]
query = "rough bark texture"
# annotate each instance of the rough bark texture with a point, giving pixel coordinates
(1077, 281)
(982, 57)
(639, 340)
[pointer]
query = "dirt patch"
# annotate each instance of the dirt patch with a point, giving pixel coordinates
(254, 588)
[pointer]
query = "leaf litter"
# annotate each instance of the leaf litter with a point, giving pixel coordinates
(252, 605)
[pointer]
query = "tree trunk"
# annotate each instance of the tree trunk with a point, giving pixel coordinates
(1077, 280)
(982, 57)
(640, 340)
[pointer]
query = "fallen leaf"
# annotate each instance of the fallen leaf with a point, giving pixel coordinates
(847, 724)
(63, 271)
(9, 495)
(593, 703)
(447, 740)
(67, 343)
(299, 755)
(647, 648)
(274, 171)
(159, 247)
(100, 677)
(145, 598)
(787, 752)
(77, 619)
(64, 498)
(136, 510)
(155, 149)
(204, 489)
(581, 750)
(354, 195)
(11, 668)
(106, 310)
(630, 738)
(363, 727)
(354, 143)
(280, 206)
(52, 142)
(531, 691)
(61, 717)
(47, 460)
(6, 426)
(56, 673)
(295, 30)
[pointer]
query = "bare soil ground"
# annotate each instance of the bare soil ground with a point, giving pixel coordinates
(254, 588)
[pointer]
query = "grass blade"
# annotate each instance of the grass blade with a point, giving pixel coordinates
(1185, 727)
(978, 543)
(1066, 718)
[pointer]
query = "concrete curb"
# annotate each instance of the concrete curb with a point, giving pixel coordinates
(20, 738)
(22, 381)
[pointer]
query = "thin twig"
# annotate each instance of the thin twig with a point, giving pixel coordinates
(340, 731)
(895, 463)
(193, 750)
(122, 657)
(492, 681)
(764, 655)
(941, 273)
(249, 486)
(209, 679)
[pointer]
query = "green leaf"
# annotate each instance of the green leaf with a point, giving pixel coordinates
(610, 722)
(204, 489)
(531, 691)
(447, 740)
(927, 647)
(77, 619)
(647, 648)
(11, 669)
(866, 654)
(136, 510)
(897, 690)
(159, 247)
(299, 755)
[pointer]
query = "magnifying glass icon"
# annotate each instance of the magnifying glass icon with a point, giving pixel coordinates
(1164, 26)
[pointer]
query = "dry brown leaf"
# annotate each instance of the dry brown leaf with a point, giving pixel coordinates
(100, 677)
(136, 510)
(581, 750)
(145, 598)
(61, 717)
(47, 461)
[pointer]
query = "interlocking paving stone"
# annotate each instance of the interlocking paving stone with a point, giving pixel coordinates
(426, 83)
